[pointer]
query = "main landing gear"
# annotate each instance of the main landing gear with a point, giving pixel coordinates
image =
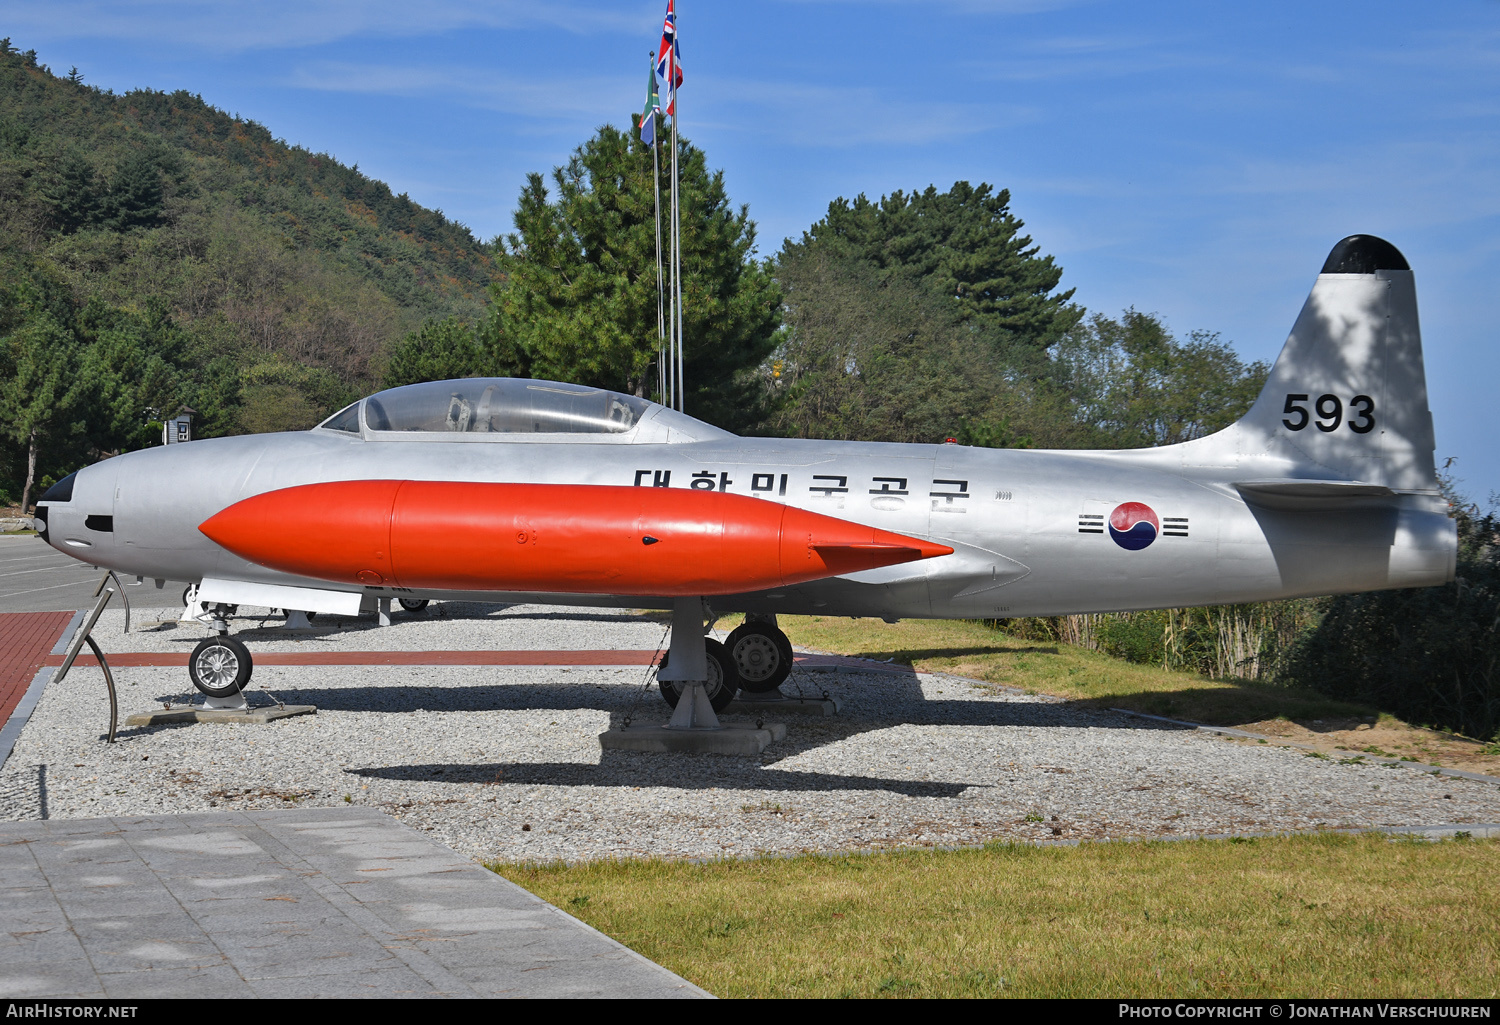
(756, 658)
(761, 652)
(698, 678)
(722, 683)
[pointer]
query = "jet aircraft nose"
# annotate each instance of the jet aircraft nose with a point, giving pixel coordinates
(76, 515)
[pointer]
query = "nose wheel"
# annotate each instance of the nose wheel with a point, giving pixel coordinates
(762, 656)
(220, 666)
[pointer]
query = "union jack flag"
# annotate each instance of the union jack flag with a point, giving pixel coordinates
(669, 61)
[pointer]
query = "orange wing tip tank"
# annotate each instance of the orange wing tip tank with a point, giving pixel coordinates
(550, 538)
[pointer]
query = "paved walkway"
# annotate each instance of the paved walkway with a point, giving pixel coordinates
(317, 902)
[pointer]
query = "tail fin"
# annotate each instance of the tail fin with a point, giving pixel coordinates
(1347, 398)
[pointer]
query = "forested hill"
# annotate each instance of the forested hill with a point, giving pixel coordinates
(280, 274)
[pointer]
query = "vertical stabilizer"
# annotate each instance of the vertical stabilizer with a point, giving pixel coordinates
(1347, 398)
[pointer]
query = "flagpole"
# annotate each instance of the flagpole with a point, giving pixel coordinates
(677, 260)
(661, 328)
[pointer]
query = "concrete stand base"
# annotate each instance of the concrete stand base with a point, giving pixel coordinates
(259, 716)
(783, 705)
(732, 739)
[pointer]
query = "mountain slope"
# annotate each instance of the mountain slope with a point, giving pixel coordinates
(254, 245)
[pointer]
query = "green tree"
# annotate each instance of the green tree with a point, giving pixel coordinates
(877, 355)
(38, 388)
(442, 350)
(279, 395)
(1136, 385)
(965, 244)
(135, 195)
(129, 362)
(578, 297)
(70, 188)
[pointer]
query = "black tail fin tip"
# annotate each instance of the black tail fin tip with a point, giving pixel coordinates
(1364, 254)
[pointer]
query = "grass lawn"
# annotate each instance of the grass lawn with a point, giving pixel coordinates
(982, 653)
(1312, 916)
(1090, 677)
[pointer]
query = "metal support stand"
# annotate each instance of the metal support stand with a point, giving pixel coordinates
(687, 663)
(83, 636)
(296, 619)
(694, 727)
(384, 612)
(120, 590)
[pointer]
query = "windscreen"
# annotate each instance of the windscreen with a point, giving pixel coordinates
(503, 406)
(346, 419)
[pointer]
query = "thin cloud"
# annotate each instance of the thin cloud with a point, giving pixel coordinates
(285, 24)
(797, 114)
(993, 7)
(567, 97)
(840, 117)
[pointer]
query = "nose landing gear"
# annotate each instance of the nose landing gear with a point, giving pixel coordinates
(220, 666)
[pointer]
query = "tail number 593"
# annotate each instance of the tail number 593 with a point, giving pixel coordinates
(1328, 413)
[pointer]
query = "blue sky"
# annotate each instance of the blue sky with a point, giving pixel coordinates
(1195, 159)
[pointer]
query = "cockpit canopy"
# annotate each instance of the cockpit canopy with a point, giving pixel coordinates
(510, 406)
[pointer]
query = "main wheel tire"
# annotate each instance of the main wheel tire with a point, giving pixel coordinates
(220, 666)
(413, 605)
(762, 656)
(722, 684)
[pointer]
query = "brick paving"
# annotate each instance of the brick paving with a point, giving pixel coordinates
(26, 641)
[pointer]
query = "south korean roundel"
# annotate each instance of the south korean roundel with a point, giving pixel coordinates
(1133, 525)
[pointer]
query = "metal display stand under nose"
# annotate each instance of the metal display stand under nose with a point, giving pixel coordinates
(85, 636)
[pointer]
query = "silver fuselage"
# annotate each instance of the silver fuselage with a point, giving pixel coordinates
(1025, 524)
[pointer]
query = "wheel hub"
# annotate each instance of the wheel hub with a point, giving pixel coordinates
(756, 657)
(218, 667)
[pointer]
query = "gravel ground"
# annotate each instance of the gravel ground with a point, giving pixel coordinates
(444, 626)
(504, 763)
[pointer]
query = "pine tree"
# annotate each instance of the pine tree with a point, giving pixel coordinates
(38, 387)
(578, 299)
(965, 244)
(135, 195)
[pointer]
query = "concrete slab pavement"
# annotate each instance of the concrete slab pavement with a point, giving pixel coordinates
(322, 902)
